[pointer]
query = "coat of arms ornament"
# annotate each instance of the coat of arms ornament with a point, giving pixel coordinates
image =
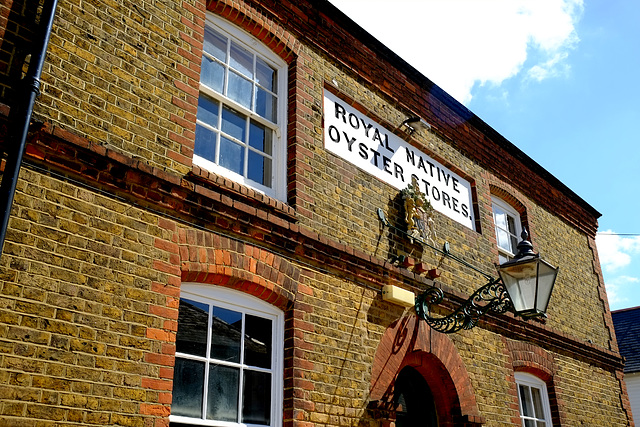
(418, 213)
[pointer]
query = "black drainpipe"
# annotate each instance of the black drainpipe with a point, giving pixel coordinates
(20, 116)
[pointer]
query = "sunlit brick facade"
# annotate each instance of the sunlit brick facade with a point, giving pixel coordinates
(188, 246)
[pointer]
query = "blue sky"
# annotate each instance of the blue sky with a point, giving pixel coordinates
(558, 78)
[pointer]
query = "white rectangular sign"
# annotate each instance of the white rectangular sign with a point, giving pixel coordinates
(357, 139)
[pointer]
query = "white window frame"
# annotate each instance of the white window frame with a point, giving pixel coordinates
(531, 381)
(246, 304)
(279, 152)
(504, 207)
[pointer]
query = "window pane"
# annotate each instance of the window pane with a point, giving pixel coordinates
(511, 223)
(265, 75)
(499, 217)
(257, 346)
(208, 111)
(240, 89)
(212, 74)
(537, 403)
(266, 105)
(260, 138)
(226, 331)
(234, 123)
(188, 388)
(241, 60)
(529, 423)
(514, 244)
(231, 156)
(259, 169)
(256, 405)
(525, 401)
(222, 400)
(503, 239)
(205, 145)
(215, 44)
(193, 318)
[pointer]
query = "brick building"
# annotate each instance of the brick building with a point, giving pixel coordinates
(196, 235)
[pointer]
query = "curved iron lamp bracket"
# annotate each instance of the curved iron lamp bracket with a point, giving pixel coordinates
(493, 293)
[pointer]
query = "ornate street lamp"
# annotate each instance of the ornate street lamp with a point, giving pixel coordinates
(524, 287)
(528, 280)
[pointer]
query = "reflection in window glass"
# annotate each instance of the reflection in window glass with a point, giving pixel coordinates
(266, 75)
(256, 405)
(208, 111)
(260, 138)
(188, 387)
(258, 342)
(259, 168)
(191, 337)
(231, 156)
(233, 123)
(241, 60)
(215, 44)
(205, 145)
(266, 105)
(233, 382)
(240, 90)
(212, 74)
(226, 328)
(222, 399)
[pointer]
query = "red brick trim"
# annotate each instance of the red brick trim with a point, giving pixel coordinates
(608, 321)
(271, 33)
(61, 151)
(409, 342)
(530, 358)
(513, 198)
(219, 260)
(602, 293)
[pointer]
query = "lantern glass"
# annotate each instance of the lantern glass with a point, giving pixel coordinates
(529, 282)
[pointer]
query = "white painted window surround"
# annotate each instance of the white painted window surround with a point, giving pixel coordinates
(533, 400)
(508, 228)
(229, 360)
(241, 121)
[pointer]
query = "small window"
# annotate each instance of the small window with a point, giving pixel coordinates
(228, 360)
(508, 229)
(241, 109)
(533, 400)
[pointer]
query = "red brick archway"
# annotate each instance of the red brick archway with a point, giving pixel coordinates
(408, 342)
(219, 260)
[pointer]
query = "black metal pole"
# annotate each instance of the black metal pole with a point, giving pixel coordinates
(20, 116)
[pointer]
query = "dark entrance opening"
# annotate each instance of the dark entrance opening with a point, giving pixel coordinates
(415, 406)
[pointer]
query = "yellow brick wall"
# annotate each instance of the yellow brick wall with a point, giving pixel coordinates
(89, 277)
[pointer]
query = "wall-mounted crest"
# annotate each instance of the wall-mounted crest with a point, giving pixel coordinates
(418, 213)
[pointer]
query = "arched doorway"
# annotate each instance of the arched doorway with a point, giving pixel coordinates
(414, 365)
(415, 406)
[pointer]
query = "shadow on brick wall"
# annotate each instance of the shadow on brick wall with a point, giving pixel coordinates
(18, 26)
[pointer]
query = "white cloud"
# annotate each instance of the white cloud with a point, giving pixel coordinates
(460, 43)
(619, 255)
(616, 251)
(618, 290)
